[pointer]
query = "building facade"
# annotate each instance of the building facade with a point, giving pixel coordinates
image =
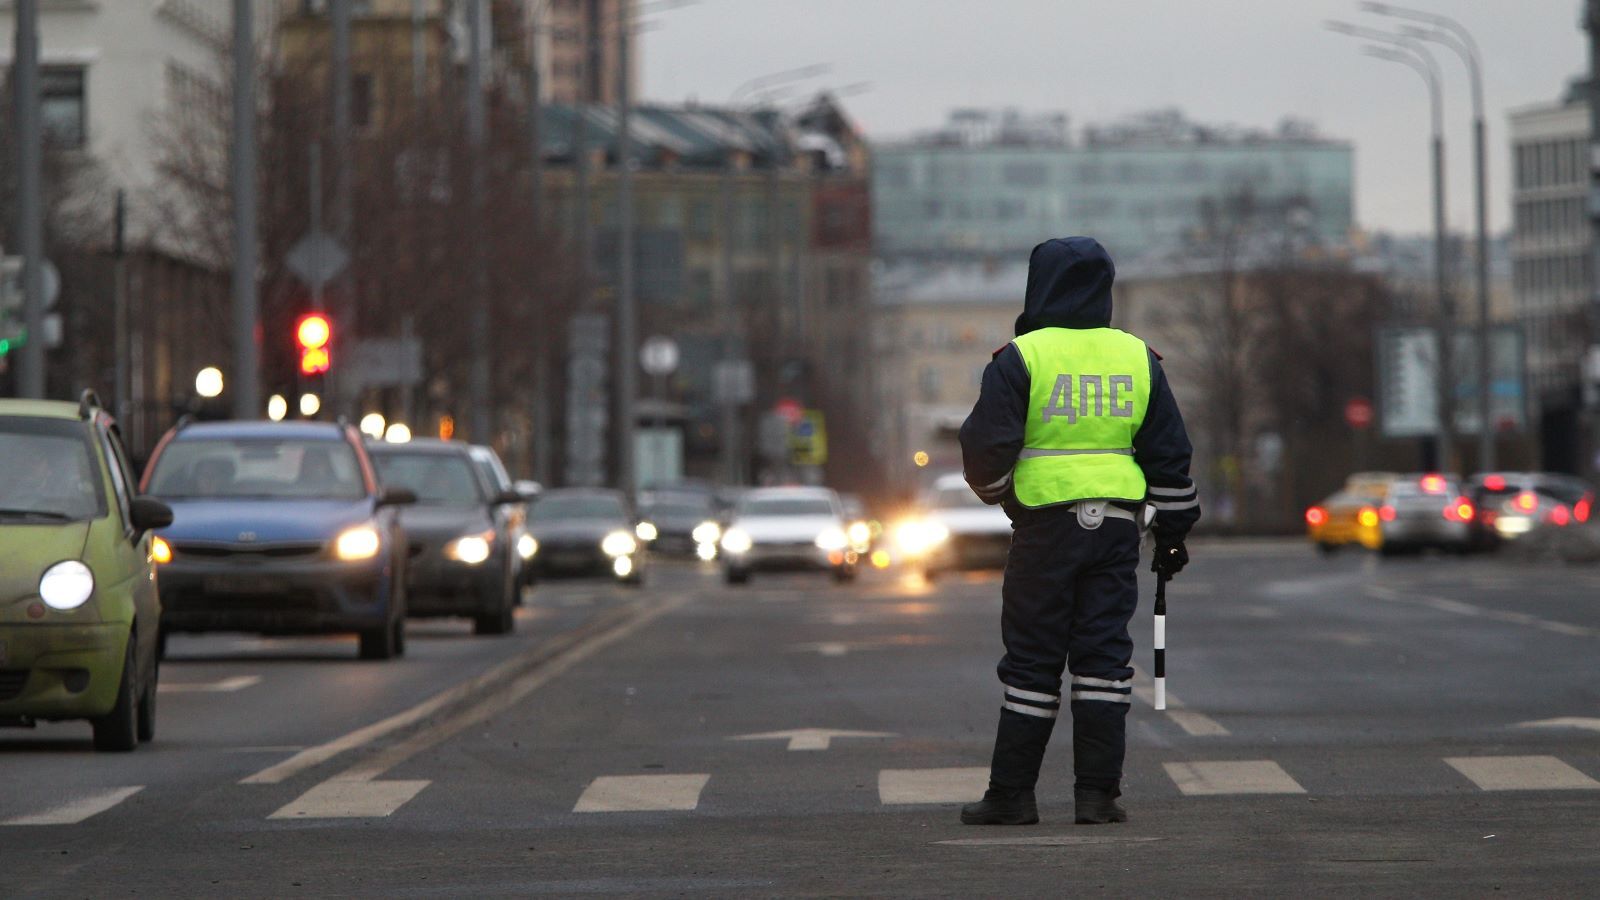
(996, 184)
(1552, 263)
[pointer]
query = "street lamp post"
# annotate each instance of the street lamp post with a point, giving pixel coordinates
(1409, 52)
(1450, 33)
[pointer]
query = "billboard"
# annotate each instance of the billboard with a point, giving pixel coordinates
(1408, 378)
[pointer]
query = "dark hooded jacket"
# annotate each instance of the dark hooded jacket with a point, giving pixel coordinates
(1069, 286)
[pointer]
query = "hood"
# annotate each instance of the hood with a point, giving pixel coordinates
(1069, 286)
(271, 521)
(973, 520)
(786, 528)
(441, 522)
(576, 529)
(27, 550)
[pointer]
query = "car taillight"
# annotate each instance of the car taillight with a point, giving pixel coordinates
(1367, 517)
(1316, 516)
(1459, 511)
(1494, 483)
(1558, 516)
(1527, 501)
(1432, 484)
(1580, 510)
(1386, 513)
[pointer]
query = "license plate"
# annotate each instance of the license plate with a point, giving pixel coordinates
(244, 584)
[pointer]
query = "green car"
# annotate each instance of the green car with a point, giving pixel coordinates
(79, 613)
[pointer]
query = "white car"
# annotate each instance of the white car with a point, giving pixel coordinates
(787, 529)
(954, 530)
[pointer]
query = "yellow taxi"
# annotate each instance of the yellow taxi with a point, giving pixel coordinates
(1351, 515)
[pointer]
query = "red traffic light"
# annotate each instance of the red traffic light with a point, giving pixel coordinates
(313, 332)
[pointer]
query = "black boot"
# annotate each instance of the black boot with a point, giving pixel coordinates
(1019, 745)
(1000, 806)
(1097, 807)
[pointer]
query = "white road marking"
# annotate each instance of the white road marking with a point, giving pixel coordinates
(1046, 840)
(1195, 723)
(76, 811)
(351, 800)
(1445, 604)
(826, 648)
(1563, 722)
(286, 748)
(811, 738)
(315, 756)
(902, 786)
(642, 793)
(1522, 773)
(224, 686)
(1255, 776)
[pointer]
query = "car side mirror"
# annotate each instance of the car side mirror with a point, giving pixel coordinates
(396, 496)
(508, 497)
(530, 490)
(148, 514)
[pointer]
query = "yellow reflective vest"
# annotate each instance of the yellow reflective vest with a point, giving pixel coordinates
(1089, 391)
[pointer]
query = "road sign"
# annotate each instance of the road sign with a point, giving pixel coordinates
(808, 439)
(1408, 378)
(789, 409)
(734, 382)
(659, 356)
(1358, 413)
(385, 361)
(11, 284)
(317, 258)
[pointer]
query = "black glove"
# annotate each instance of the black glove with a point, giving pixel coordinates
(1169, 559)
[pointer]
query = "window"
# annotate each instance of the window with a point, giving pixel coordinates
(1025, 174)
(61, 106)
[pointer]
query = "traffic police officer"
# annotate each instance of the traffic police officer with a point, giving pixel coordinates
(1076, 434)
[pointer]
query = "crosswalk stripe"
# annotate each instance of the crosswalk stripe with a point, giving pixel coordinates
(335, 799)
(642, 793)
(76, 811)
(1254, 776)
(902, 786)
(1522, 773)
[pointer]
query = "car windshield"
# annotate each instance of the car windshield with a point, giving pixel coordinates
(555, 508)
(438, 479)
(678, 508)
(785, 506)
(257, 468)
(49, 472)
(955, 498)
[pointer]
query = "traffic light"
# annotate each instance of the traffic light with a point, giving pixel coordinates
(314, 333)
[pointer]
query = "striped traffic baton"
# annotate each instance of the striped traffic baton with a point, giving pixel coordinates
(1161, 641)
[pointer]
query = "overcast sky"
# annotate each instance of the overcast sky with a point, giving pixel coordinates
(1249, 62)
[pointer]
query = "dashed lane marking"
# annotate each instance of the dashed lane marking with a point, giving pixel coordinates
(1255, 776)
(904, 786)
(811, 738)
(1197, 724)
(1445, 604)
(223, 686)
(351, 800)
(75, 811)
(642, 793)
(1582, 722)
(1522, 773)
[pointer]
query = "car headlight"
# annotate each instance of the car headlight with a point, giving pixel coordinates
(707, 532)
(618, 543)
(833, 539)
(646, 531)
(160, 551)
(737, 541)
(360, 542)
(920, 536)
(66, 585)
(472, 549)
(860, 534)
(527, 546)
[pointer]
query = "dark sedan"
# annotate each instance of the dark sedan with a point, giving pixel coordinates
(582, 531)
(680, 523)
(282, 528)
(462, 531)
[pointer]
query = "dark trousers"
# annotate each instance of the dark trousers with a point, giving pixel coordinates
(1068, 596)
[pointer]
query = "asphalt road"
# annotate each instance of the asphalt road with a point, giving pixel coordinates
(1343, 726)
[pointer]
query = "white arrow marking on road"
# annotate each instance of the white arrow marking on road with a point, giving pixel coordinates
(225, 686)
(811, 738)
(1563, 722)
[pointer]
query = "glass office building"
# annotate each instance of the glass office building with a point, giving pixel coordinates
(1146, 186)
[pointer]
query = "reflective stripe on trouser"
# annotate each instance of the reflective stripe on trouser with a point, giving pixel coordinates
(1069, 594)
